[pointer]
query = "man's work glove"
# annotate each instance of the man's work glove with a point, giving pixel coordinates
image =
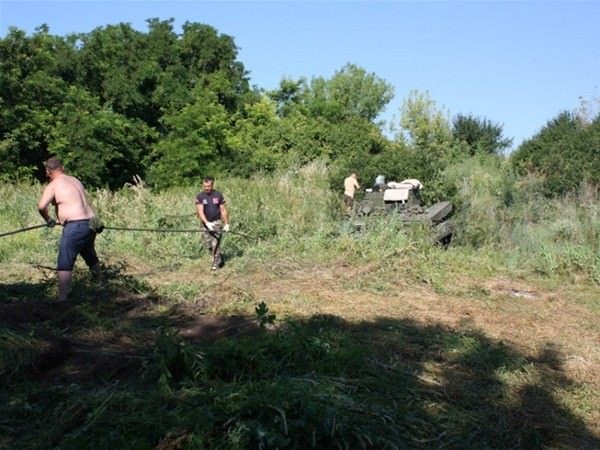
(96, 225)
(50, 222)
(226, 228)
(210, 226)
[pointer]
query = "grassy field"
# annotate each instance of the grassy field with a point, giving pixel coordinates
(312, 335)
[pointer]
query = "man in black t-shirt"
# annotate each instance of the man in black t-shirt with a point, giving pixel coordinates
(210, 206)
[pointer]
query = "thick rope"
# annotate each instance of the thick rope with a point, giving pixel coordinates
(23, 229)
(152, 230)
(170, 230)
(155, 230)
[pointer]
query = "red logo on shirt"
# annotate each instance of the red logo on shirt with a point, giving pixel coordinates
(215, 201)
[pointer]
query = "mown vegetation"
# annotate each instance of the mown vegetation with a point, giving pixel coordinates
(313, 335)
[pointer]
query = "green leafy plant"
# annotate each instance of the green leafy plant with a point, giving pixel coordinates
(263, 316)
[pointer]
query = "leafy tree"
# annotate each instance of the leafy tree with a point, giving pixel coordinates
(351, 92)
(118, 97)
(479, 136)
(195, 145)
(257, 138)
(196, 120)
(566, 152)
(205, 52)
(288, 97)
(31, 91)
(97, 144)
(425, 144)
(424, 126)
(359, 93)
(166, 77)
(110, 59)
(331, 119)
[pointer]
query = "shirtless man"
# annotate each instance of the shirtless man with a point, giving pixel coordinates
(350, 187)
(73, 211)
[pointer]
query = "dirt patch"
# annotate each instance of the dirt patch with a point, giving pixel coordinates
(90, 364)
(51, 352)
(31, 312)
(210, 328)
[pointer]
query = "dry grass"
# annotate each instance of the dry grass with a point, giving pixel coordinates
(530, 318)
(520, 314)
(514, 311)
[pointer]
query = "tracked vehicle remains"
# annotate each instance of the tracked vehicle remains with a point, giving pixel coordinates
(403, 200)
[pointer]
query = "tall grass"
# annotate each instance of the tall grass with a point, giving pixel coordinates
(294, 216)
(508, 217)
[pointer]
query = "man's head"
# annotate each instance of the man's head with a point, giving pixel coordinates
(208, 184)
(53, 166)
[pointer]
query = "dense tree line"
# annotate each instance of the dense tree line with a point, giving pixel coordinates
(172, 107)
(566, 153)
(112, 101)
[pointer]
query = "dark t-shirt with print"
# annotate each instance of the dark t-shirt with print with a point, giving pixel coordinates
(212, 204)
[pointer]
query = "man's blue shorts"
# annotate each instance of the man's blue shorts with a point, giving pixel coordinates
(77, 238)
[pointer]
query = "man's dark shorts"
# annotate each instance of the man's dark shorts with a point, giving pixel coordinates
(77, 238)
(348, 201)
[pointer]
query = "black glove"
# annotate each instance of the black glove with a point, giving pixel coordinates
(50, 222)
(96, 225)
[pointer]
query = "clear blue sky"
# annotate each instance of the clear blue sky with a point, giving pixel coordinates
(516, 63)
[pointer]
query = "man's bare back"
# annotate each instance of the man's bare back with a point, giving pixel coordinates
(68, 195)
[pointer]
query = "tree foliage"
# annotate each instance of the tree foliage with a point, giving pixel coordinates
(100, 145)
(172, 107)
(194, 145)
(424, 125)
(479, 135)
(566, 152)
(114, 102)
(34, 77)
(350, 92)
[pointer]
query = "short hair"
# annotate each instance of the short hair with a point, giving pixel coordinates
(53, 163)
(208, 179)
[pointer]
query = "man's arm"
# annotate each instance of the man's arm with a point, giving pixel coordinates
(224, 214)
(200, 211)
(45, 199)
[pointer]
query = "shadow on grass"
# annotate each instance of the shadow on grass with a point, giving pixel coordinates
(168, 377)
